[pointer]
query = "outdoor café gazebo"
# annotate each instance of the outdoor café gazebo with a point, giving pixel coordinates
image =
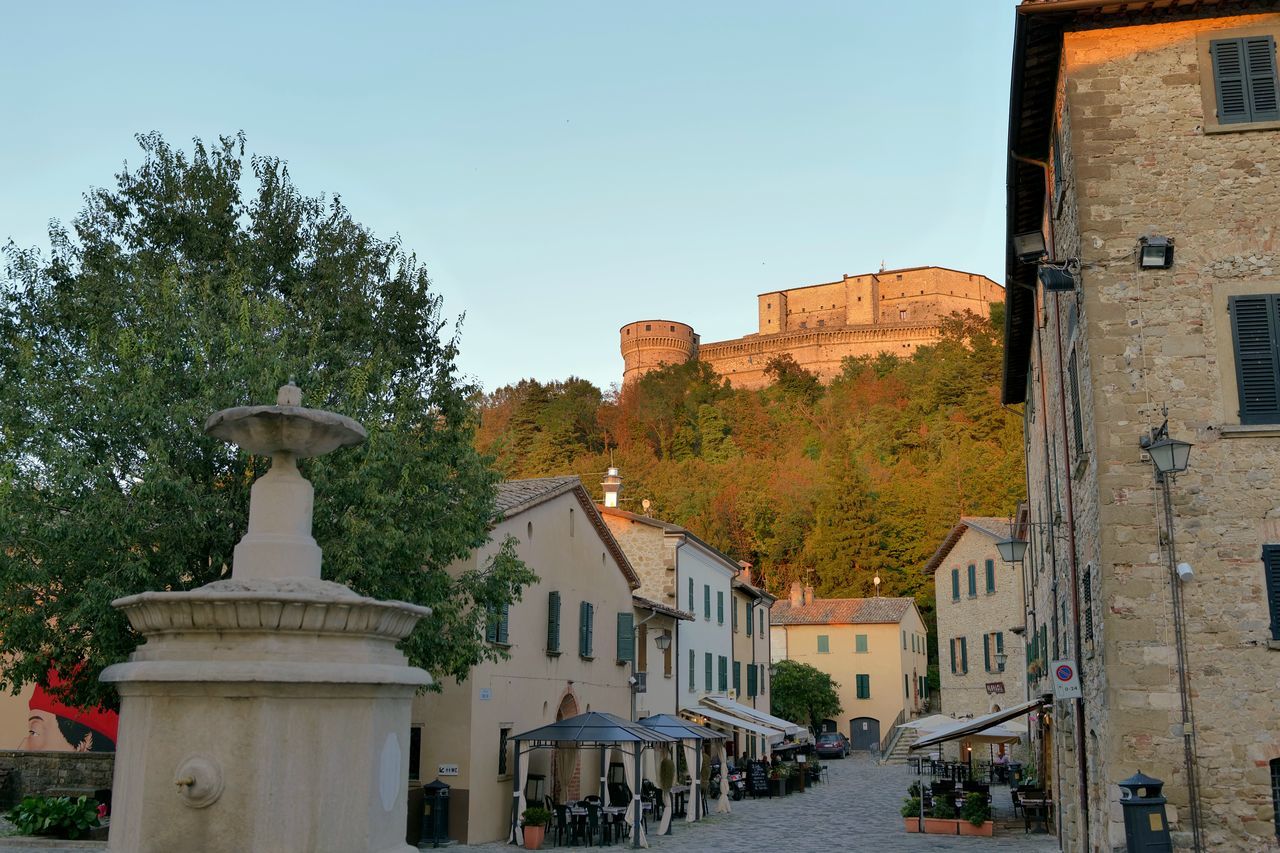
(590, 730)
(691, 736)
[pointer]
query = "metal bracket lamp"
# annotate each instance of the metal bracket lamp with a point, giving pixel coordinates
(1168, 455)
(1155, 253)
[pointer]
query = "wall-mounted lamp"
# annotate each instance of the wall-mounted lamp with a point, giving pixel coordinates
(1155, 253)
(1001, 659)
(1012, 550)
(1029, 246)
(1168, 455)
(663, 641)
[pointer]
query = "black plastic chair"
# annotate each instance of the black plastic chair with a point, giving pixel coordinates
(595, 828)
(563, 826)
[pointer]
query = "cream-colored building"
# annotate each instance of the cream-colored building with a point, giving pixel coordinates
(980, 617)
(876, 650)
(1149, 144)
(567, 656)
(751, 627)
(656, 667)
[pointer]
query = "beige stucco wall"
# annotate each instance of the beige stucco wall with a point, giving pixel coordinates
(660, 689)
(1138, 160)
(462, 726)
(884, 661)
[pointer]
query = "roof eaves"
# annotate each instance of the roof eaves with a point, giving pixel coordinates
(656, 607)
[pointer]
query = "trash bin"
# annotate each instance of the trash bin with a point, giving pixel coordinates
(435, 813)
(1145, 829)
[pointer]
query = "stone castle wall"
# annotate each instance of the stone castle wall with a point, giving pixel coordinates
(895, 312)
(1141, 158)
(54, 773)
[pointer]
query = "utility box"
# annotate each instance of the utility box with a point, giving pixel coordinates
(435, 813)
(1145, 827)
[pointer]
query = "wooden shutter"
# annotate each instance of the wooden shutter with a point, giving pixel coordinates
(955, 584)
(751, 620)
(751, 681)
(1271, 565)
(1253, 326)
(491, 627)
(706, 602)
(1229, 80)
(693, 668)
(720, 606)
(737, 677)
(553, 621)
(724, 674)
(986, 652)
(973, 581)
(626, 637)
(708, 685)
(735, 616)
(964, 655)
(953, 655)
(642, 648)
(691, 607)
(585, 617)
(504, 624)
(1260, 69)
(1077, 422)
(991, 576)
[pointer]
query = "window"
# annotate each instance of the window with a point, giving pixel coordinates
(553, 623)
(693, 668)
(959, 656)
(906, 686)
(735, 616)
(719, 607)
(706, 602)
(973, 581)
(824, 644)
(415, 753)
(504, 734)
(904, 641)
(1077, 423)
(586, 624)
(571, 523)
(902, 313)
(692, 609)
(991, 576)
(1088, 603)
(724, 674)
(860, 644)
(707, 682)
(497, 628)
(648, 327)
(955, 584)
(1244, 79)
(751, 680)
(1271, 565)
(1275, 790)
(992, 645)
(750, 619)
(761, 621)
(737, 677)
(864, 686)
(1256, 335)
(642, 648)
(626, 638)
(760, 682)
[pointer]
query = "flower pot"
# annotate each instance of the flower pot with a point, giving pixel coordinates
(533, 836)
(911, 824)
(940, 826)
(987, 828)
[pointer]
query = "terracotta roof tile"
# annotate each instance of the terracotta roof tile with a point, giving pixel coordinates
(840, 611)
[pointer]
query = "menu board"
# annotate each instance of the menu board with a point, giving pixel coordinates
(758, 778)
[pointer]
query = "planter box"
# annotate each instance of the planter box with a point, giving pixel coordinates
(941, 826)
(986, 829)
(533, 836)
(779, 787)
(911, 824)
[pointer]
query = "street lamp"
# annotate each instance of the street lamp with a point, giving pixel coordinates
(876, 581)
(1012, 549)
(1002, 658)
(662, 641)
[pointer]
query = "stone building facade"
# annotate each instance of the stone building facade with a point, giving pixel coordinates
(980, 616)
(1129, 122)
(892, 311)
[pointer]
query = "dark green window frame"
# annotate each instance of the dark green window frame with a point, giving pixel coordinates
(709, 662)
(626, 638)
(863, 683)
(955, 584)
(991, 576)
(586, 628)
(1255, 336)
(1245, 84)
(553, 623)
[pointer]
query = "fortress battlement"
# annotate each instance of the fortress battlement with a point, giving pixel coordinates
(819, 325)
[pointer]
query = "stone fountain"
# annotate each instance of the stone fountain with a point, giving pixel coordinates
(268, 712)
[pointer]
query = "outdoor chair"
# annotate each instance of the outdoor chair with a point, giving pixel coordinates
(563, 827)
(596, 830)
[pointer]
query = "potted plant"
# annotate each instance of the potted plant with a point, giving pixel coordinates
(976, 816)
(942, 818)
(60, 817)
(535, 820)
(778, 777)
(911, 814)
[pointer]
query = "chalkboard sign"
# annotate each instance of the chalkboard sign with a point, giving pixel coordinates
(758, 776)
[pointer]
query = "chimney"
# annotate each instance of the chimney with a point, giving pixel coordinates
(797, 594)
(808, 594)
(612, 485)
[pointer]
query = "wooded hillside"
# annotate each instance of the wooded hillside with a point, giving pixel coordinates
(829, 484)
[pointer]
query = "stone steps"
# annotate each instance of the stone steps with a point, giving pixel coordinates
(901, 748)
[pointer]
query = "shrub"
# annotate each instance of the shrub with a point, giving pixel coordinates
(61, 817)
(976, 810)
(536, 816)
(911, 807)
(942, 807)
(667, 774)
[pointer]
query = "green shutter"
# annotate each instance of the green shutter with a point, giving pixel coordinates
(864, 686)
(953, 656)
(586, 616)
(724, 674)
(693, 668)
(691, 607)
(973, 580)
(1264, 89)
(708, 685)
(824, 644)
(1229, 80)
(737, 677)
(1254, 334)
(504, 625)
(735, 616)
(1271, 565)
(999, 649)
(751, 681)
(750, 619)
(491, 627)
(860, 643)
(720, 606)
(553, 622)
(955, 584)
(964, 655)
(986, 652)
(706, 602)
(1077, 420)
(626, 638)
(991, 576)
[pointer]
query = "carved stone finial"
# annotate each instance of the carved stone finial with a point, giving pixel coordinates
(289, 395)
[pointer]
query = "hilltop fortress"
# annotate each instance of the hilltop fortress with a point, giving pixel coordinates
(892, 311)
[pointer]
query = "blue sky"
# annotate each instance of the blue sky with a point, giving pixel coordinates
(561, 168)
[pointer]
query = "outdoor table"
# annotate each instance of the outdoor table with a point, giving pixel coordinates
(678, 795)
(1037, 810)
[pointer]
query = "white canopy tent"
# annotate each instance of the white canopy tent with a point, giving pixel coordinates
(984, 729)
(727, 705)
(711, 716)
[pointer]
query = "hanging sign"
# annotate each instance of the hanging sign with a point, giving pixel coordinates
(1066, 680)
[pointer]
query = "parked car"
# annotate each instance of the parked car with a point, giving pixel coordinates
(831, 745)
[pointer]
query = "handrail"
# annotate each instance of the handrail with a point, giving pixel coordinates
(898, 720)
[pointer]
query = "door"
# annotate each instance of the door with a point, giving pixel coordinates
(864, 733)
(828, 726)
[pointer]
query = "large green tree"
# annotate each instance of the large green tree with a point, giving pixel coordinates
(201, 281)
(803, 694)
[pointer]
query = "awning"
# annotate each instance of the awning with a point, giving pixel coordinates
(722, 703)
(592, 728)
(678, 727)
(736, 722)
(963, 728)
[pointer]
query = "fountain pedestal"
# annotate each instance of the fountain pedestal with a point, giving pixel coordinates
(268, 712)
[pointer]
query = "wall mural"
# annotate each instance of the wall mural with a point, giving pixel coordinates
(52, 726)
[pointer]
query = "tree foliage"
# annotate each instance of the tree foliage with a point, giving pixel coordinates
(191, 285)
(803, 694)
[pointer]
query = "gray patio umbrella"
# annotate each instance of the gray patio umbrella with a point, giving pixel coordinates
(592, 729)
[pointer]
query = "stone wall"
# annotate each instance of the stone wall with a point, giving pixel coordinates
(1141, 158)
(54, 773)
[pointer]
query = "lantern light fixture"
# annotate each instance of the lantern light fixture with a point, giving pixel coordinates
(1155, 253)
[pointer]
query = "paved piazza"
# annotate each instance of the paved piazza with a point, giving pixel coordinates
(857, 810)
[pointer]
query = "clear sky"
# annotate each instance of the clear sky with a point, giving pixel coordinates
(562, 168)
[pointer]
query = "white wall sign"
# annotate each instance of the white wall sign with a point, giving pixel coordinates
(447, 770)
(1066, 680)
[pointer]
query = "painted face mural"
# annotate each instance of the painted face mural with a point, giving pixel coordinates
(55, 727)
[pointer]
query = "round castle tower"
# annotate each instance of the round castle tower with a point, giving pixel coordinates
(648, 344)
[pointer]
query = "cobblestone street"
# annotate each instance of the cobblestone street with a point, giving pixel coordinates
(856, 810)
